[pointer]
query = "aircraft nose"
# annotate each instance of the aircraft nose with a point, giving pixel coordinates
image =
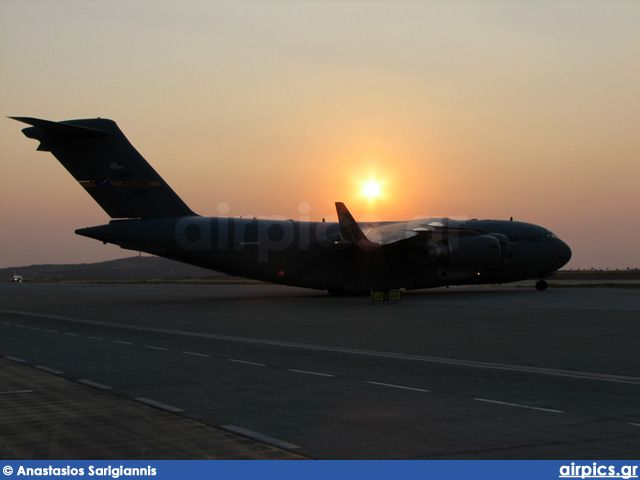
(563, 254)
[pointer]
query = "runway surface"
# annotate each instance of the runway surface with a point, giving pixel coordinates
(483, 372)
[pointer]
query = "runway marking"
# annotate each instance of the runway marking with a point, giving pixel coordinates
(122, 343)
(196, 354)
(247, 363)
(323, 348)
(160, 405)
(15, 359)
(52, 331)
(49, 370)
(261, 437)
(34, 328)
(311, 373)
(397, 386)
(96, 338)
(72, 334)
(549, 410)
(90, 383)
(16, 392)
(156, 348)
(635, 424)
(19, 326)
(6, 323)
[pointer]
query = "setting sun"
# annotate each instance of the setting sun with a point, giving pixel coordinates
(371, 189)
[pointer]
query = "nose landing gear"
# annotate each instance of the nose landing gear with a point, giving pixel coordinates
(541, 285)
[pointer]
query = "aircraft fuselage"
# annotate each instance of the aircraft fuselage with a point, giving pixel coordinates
(314, 254)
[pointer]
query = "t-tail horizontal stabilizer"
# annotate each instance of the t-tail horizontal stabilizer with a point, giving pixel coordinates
(61, 127)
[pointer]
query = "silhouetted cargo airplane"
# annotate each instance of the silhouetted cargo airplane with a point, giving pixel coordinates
(343, 257)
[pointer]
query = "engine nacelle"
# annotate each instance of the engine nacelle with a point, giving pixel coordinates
(504, 246)
(477, 251)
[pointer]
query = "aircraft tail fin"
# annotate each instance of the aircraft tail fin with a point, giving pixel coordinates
(98, 155)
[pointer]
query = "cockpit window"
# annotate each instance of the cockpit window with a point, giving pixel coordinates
(552, 235)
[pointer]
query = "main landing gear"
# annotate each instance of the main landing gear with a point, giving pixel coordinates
(541, 285)
(377, 296)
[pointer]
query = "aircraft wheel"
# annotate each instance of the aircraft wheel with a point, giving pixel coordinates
(359, 293)
(337, 292)
(541, 285)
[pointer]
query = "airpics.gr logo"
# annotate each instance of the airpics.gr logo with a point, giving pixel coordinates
(8, 470)
(598, 471)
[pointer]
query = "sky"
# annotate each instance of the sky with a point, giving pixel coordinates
(466, 109)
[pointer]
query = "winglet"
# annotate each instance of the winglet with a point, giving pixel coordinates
(350, 230)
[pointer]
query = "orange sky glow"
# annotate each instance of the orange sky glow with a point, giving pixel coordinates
(466, 109)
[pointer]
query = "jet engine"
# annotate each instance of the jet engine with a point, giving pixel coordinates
(477, 251)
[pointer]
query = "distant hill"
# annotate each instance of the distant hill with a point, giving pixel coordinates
(628, 274)
(132, 269)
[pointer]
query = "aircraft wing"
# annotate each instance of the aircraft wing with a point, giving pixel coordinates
(388, 233)
(373, 237)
